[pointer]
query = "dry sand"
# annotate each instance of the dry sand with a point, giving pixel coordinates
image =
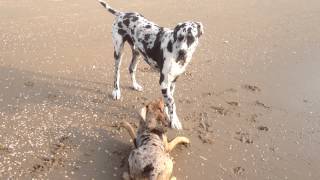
(249, 101)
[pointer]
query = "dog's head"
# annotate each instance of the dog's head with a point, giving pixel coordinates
(186, 36)
(153, 113)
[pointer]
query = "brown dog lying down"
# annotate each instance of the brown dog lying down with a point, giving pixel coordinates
(150, 159)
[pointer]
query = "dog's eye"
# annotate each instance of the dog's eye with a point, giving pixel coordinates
(190, 38)
(180, 38)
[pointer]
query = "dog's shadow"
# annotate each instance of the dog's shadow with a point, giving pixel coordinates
(81, 109)
(79, 154)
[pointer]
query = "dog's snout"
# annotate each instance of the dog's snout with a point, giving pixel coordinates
(182, 54)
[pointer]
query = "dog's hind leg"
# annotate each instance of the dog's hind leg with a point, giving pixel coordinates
(133, 68)
(178, 140)
(118, 47)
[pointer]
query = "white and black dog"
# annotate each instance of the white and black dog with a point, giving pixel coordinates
(169, 51)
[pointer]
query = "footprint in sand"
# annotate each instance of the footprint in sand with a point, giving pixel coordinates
(205, 138)
(97, 100)
(238, 170)
(29, 83)
(57, 156)
(219, 109)
(233, 103)
(253, 118)
(207, 94)
(205, 129)
(258, 103)
(263, 128)
(251, 88)
(52, 96)
(243, 137)
(4, 149)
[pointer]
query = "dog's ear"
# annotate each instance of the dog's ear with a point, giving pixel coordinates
(160, 131)
(143, 113)
(200, 29)
(175, 31)
(160, 104)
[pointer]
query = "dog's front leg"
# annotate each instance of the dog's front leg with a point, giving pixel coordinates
(173, 85)
(166, 85)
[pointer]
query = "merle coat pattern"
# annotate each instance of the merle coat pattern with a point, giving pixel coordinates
(169, 51)
(150, 159)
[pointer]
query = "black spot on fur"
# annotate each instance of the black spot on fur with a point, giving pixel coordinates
(147, 169)
(144, 139)
(135, 143)
(190, 40)
(146, 37)
(164, 92)
(169, 46)
(176, 30)
(112, 11)
(148, 26)
(134, 18)
(115, 85)
(128, 39)
(126, 22)
(181, 59)
(189, 30)
(128, 15)
(120, 25)
(154, 144)
(180, 38)
(122, 32)
(158, 131)
(199, 30)
(156, 53)
(161, 78)
(115, 55)
(103, 4)
(132, 32)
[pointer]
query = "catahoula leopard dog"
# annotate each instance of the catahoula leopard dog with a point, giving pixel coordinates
(150, 159)
(167, 50)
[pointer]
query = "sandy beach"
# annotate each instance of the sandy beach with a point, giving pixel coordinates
(249, 101)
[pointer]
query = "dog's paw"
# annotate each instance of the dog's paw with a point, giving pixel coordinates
(173, 178)
(176, 124)
(116, 94)
(137, 87)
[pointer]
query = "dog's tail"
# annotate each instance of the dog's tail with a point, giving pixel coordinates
(130, 130)
(110, 9)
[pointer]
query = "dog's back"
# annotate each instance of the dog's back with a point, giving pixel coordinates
(150, 160)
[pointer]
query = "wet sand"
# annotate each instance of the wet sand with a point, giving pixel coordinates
(249, 101)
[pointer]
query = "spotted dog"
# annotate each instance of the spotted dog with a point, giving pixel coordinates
(150, 159)
(168, 50)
